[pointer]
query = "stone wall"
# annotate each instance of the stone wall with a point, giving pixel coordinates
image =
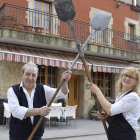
(10, 74)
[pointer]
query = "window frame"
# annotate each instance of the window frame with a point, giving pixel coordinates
(96, 79)
(46, 75)
(131, 31)
(40, 18)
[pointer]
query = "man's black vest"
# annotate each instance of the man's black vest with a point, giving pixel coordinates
(22, 129)
(119, 128)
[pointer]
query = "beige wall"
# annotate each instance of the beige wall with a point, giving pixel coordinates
(126, 1)
(116, 84)
(10, 74)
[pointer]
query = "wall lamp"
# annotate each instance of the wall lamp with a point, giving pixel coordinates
(118, 4)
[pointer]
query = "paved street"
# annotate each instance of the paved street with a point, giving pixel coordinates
(85, 129)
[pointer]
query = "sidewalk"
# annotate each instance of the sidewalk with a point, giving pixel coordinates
(85, 129)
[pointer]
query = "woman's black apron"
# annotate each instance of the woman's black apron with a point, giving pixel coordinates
(119, 128)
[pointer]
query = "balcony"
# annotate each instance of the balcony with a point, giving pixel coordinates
(24, 26)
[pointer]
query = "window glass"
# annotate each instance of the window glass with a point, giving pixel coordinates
(49, 70)
(49, 81)
(42, 19)
(42, 80)
(103, 81)
(47, 76)
(42, 70)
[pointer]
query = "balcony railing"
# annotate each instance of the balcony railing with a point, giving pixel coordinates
(31, 20)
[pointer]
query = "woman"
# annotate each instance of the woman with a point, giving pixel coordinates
(123, 115)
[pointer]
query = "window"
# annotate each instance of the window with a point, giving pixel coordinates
(131, 31)
(103, 81)
(47, 76)
(100, 37)
(41, 15)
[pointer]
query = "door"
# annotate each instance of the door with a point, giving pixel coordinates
(73, 92)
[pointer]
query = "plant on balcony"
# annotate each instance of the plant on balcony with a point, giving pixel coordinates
(38, 29)
(28, 28)
(19, 26)
(8, 21)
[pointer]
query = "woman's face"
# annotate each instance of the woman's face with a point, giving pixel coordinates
(129, 80)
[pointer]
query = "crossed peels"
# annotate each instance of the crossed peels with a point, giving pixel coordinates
(66, 12)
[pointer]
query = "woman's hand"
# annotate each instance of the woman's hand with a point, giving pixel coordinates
(102, 115)
(94, 88)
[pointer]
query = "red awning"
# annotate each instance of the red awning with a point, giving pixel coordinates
(107, 65)
(40, 57)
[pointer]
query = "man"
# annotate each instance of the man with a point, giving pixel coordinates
(27, 102)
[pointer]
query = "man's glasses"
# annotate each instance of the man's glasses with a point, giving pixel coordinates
(130, 77)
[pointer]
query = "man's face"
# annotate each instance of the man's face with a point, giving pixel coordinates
(29, 77)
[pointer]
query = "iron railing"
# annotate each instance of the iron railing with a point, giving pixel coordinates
(45, 23)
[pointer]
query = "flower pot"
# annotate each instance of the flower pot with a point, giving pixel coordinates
(38, 29)
(9, 21)
(93, 115)
(28, 28)
(20, 26)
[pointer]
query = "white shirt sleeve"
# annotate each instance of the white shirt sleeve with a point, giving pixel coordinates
(16, 110)
(125, 104)
(49, 92)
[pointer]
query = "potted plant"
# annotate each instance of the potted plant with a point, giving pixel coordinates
(28, 28)
(38, 29)
(93, 112)
(62, 101)
(9, 21)
(20, 26)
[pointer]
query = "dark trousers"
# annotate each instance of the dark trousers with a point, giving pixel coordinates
(23, 139)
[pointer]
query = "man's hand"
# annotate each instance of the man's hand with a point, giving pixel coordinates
(44, 111)
(67, 75)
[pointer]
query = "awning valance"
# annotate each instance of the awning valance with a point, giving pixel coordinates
(40, 57)
(107, 65)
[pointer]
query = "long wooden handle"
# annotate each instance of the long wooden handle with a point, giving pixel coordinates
(84, 63)
(96, 100)
(40, 120)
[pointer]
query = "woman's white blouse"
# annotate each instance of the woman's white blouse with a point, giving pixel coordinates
(129, 106)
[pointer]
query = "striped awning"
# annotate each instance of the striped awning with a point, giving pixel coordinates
(40, 57)
(107, 65)
(60, 59)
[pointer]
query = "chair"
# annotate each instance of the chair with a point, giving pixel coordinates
(7, 113)
(55, 112)
(70, 113)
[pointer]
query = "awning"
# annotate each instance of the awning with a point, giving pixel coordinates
(40, 57)
(60, 59)
(107, 65)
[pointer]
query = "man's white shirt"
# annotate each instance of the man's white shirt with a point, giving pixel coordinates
(20, 111)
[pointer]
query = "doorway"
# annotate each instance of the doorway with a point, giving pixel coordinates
(73, 92)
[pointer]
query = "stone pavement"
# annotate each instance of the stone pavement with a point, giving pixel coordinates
(85, 129)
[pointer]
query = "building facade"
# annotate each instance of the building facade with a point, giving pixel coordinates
(31, 31)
